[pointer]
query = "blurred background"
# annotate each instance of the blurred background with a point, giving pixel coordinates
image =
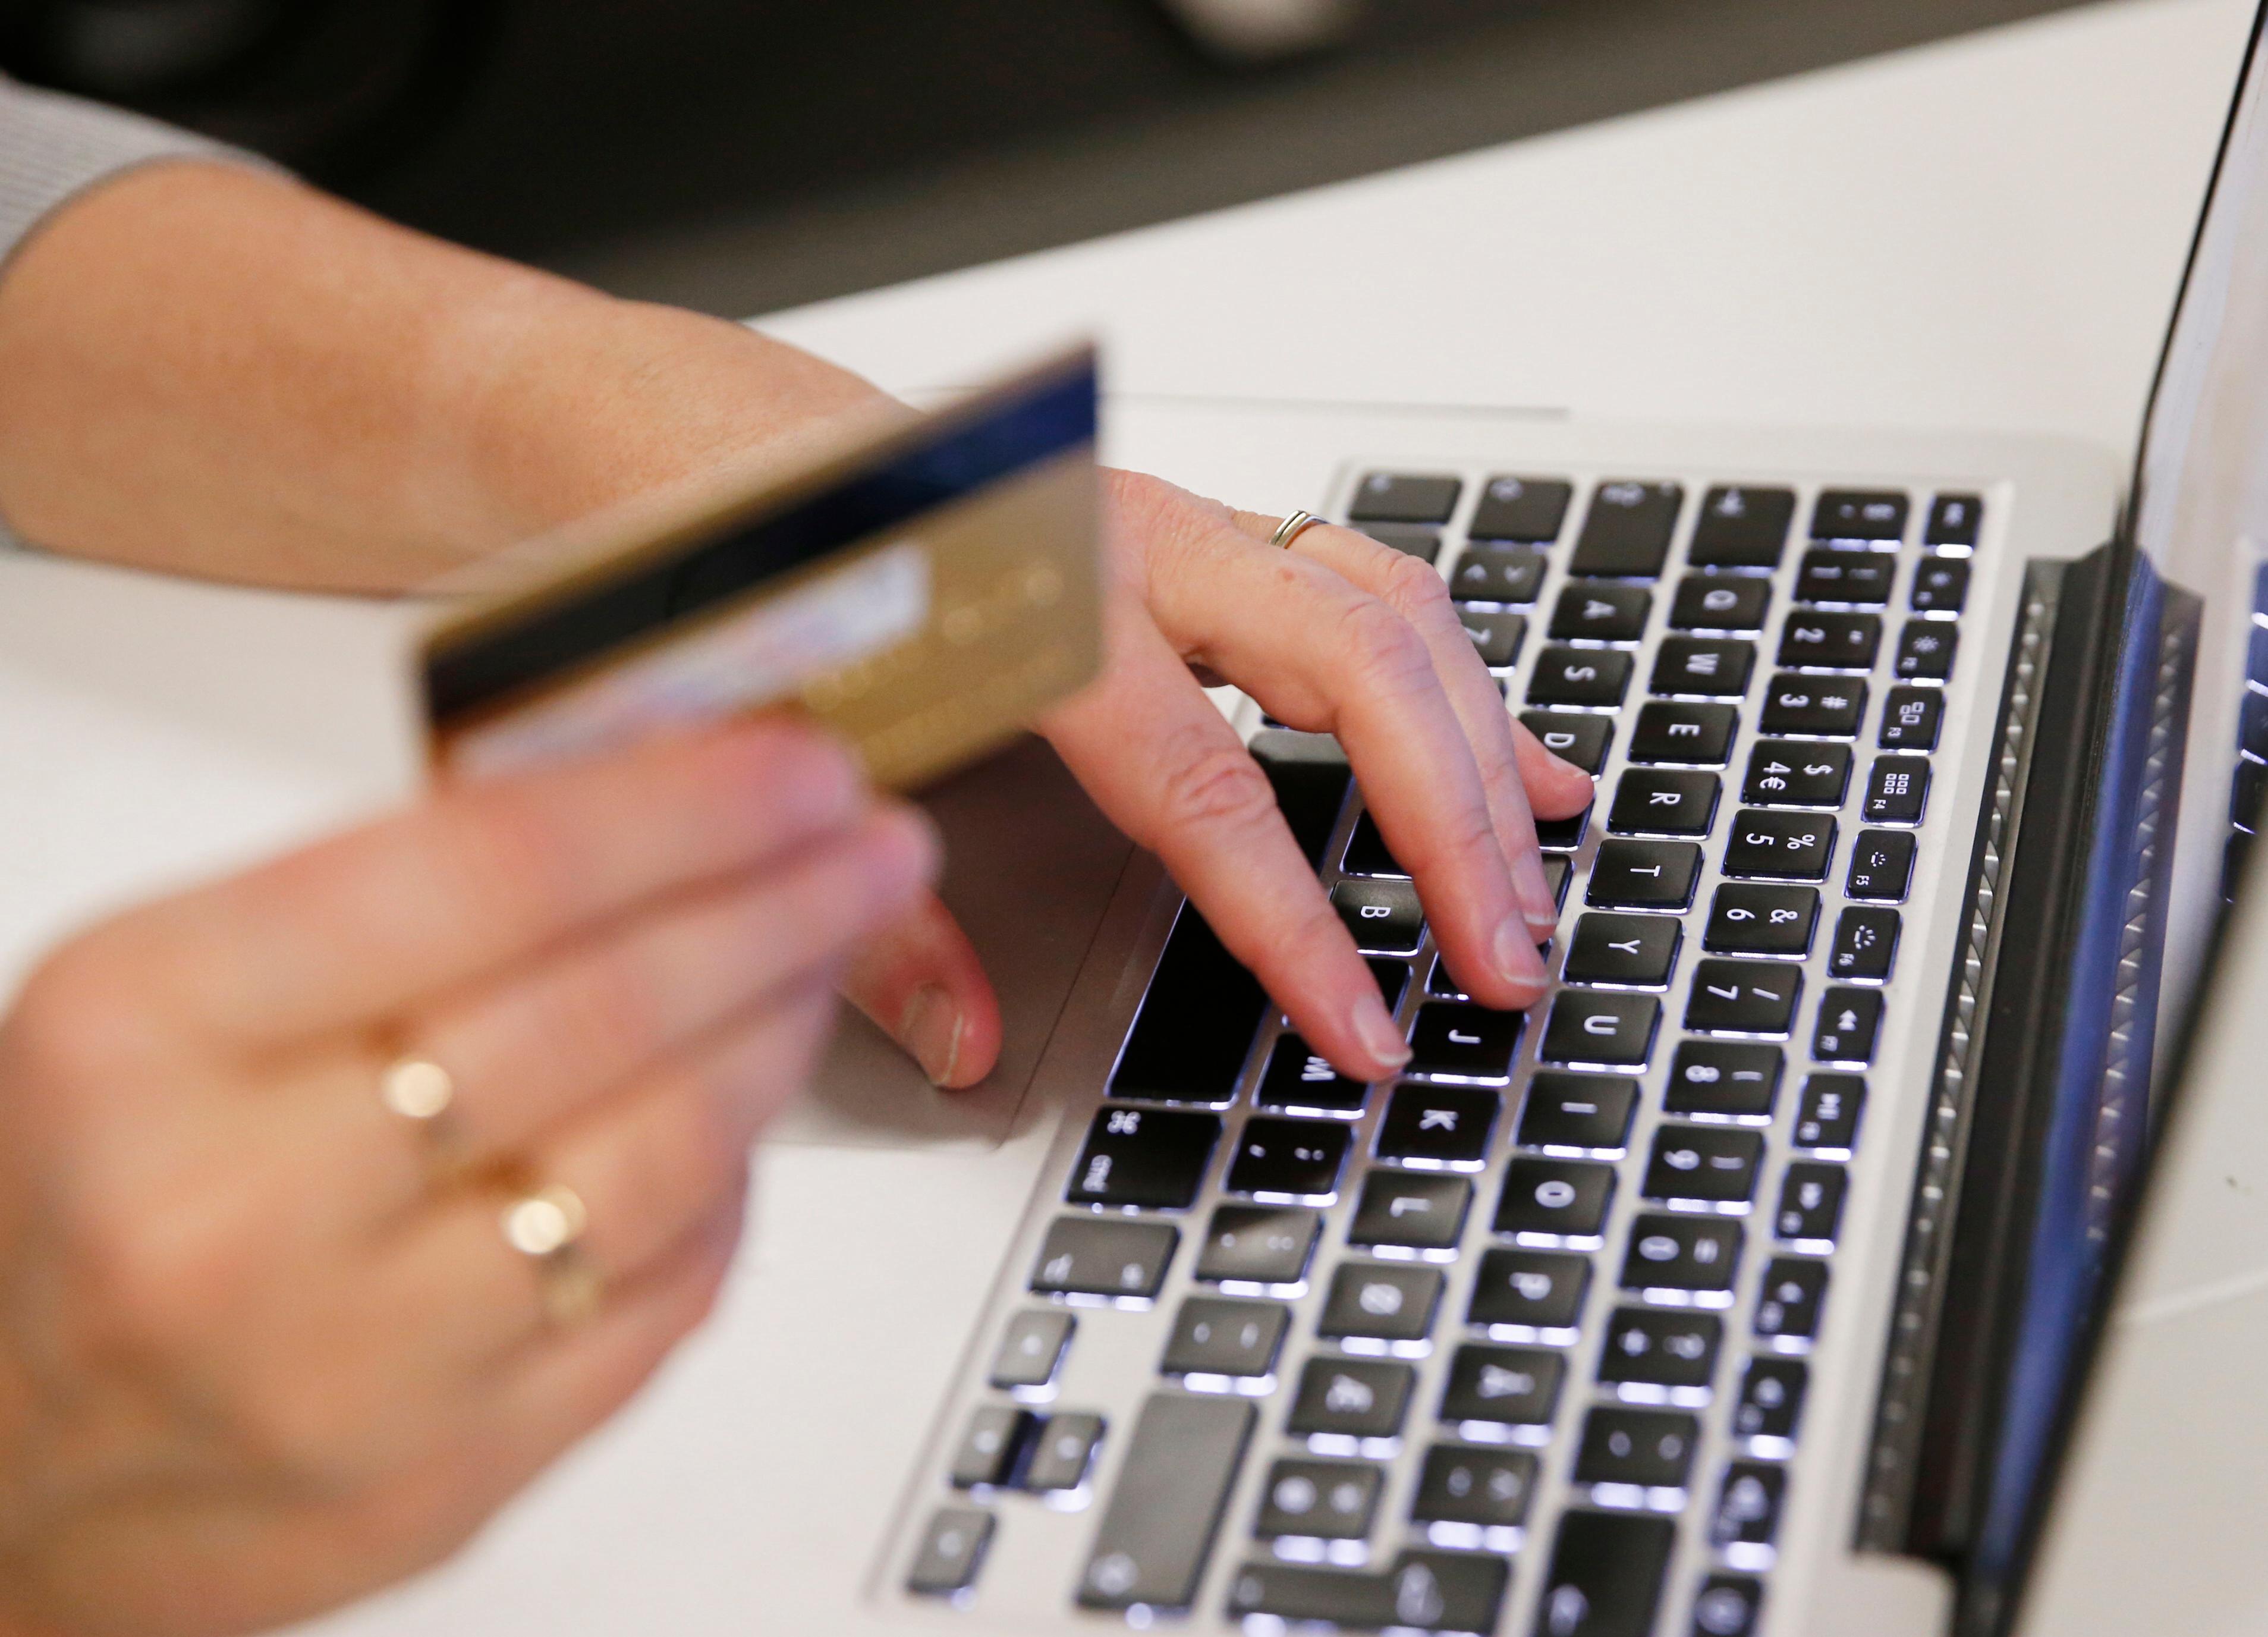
(741, 156)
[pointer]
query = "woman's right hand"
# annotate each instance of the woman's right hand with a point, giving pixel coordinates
(253, 1360)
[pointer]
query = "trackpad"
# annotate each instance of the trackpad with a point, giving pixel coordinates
(1030, 867)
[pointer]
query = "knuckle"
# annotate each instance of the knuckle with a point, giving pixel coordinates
(1212, 783)
(75, 1019)
(149, 1276)
(1383, 651)
(1414, 587)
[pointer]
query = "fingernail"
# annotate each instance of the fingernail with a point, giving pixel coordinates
(1534, 894)
(1515, 953)
(1380, 1037)
(930, 1027)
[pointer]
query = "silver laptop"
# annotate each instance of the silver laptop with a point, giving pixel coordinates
(1750, 1281)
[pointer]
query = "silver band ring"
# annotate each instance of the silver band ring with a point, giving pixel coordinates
(1288, 530)
(419, 1090)
(547, 1227)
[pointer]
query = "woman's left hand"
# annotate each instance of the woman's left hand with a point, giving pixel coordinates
(1338, 634)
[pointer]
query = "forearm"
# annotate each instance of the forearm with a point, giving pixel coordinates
(213, 371)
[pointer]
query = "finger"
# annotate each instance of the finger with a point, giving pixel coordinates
(1557, 789)
(647, 1166)
(527, 1051)
(1320, 654)
(1168, 770)
(921, 981)
(357, 926)
(1411, 587)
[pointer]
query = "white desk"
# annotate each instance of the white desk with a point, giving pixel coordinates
(1983, 234)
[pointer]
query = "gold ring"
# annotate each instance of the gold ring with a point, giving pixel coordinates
(421, 1091)
(547, 1227)
(1288, 530)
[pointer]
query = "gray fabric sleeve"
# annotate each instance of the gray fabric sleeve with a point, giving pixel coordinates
(53, 148)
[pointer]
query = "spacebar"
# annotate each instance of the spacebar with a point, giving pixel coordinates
(1172, 1488)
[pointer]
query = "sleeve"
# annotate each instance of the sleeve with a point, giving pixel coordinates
(53, 148)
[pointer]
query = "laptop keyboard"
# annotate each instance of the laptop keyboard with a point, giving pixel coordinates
(1592, 1243)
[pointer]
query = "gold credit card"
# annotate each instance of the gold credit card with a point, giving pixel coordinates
(926, 590)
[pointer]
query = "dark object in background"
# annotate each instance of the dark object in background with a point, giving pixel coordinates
(338, 89)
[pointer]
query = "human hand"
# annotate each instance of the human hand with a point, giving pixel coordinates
(1338, 634)
(253, 1360)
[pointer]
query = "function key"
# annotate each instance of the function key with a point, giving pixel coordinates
(1651, 1448)
(1941, 585)
(991, 1445)
(1881, 865)
(1382, 1302)
(1464, 1042)
(1094, 1256)
(1827, 1120)
(1954, 520)
(1627, 951)
(1859, 514)
(1728, 1605)
(1704, 1164)
(1626, 533)
(1439, 1127)
(1912, 717)
(1356, 1398)
(1710, 668)
(1822, 707)
(1299, 1079)
(1538, 1291)
(1743, 997)
(1288, 1159)
(1810, 1205)
(1325, 1500)
(1677, 730)
(1214, 1336)
(1772, 1398)
(1661, 1347)
(1521, 508)
(1062, 1453)
(1663, 801)
(1727, 602)
(1497, 574)
(1590, 1026)
(1561, 1198)
(1741, 528)
(1780, 846)
(1831, 642)
(1152, 1158)
(950, 1553)
(1384, 915)
(1644, 874)
(1410, 1210)
(1580, 738)
(1796, 773)
(1366, 852)
(1855, 579)
(1697, 1254)
(1258, 1244)
(1496, 635)
(1850, 1022)
(1601, 613)
(1503, 1386)
(1866, 943)
(1409, 539)
(1577, 1113)
(1152, 1550)
(1031, 1349)
(1403, 497)
(1723, 1080)
(1487, 1487)
(1925, 651)
(1789, 1301)
(1584, 676)
(1747, 1507)
(1605, 1578)
(1197, 1023)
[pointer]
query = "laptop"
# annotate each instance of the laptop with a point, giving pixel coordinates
(1754, 1281)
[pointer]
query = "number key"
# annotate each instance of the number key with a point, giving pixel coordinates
(1827, 707)
(1796, 773)
(1780, 846)
(1856, 578)
(1834, 642)
(1730, 1079)
(1749, 918)
(1743, 997)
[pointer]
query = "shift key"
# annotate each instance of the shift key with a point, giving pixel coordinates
(1172, 1488)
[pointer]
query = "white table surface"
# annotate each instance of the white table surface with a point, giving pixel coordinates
(1982, 234)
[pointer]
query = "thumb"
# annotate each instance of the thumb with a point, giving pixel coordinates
(921, 982)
